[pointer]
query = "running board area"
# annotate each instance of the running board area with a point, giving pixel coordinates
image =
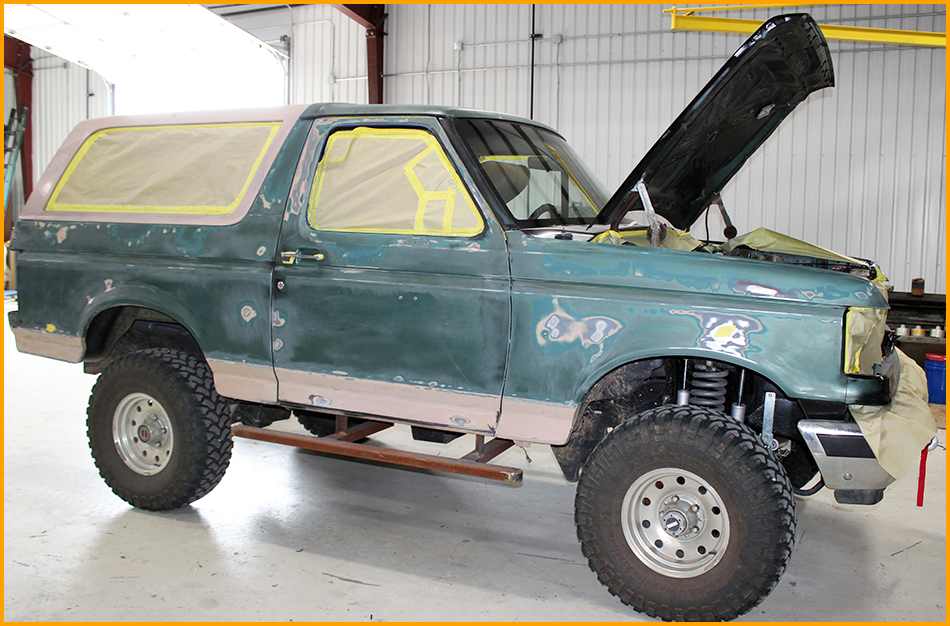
(343, 443)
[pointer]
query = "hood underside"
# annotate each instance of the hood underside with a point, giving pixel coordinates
(786, 59)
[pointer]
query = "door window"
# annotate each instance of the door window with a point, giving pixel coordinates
(390, 180)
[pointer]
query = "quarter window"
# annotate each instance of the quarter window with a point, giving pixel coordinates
(198, 169)
(390, 180)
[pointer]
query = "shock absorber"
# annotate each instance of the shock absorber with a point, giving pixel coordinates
(708, 386)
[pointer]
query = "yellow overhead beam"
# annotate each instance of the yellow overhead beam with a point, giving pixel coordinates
(683, 19)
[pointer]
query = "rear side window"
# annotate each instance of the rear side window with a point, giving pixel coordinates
(202, 169)
(390, 180)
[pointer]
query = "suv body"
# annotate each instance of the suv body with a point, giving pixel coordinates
(453, 270)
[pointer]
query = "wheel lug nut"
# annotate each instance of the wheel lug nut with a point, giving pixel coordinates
(694, 508)
(675, 499)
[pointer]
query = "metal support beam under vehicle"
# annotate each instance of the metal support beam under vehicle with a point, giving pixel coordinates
(342, 444)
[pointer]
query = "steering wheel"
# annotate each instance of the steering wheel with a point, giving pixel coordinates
(541, 210)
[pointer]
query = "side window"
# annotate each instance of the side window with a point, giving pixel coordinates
(390, 180)
(198, 169)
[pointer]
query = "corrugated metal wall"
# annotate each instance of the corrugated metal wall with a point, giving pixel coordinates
(64, 94)
(327, 57)
(860, 168)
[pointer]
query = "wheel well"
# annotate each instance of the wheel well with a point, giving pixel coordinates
(119, 330)
(635, 387)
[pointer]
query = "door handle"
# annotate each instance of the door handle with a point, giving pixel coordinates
(292, 258)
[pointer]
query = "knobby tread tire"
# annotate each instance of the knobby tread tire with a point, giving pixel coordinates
(200, 422)
(753, 484)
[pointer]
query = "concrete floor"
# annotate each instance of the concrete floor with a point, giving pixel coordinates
(292, 535)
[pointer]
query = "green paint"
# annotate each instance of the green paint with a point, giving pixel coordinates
(501, 313)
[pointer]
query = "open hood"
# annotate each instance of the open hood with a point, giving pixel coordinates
(782, 62)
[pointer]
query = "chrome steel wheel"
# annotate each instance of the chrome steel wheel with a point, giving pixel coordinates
(142, 432)
(675, 522)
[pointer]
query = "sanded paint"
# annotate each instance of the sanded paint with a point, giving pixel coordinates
(428, 403)
(536, 421)
(54, 345)
(244, 381)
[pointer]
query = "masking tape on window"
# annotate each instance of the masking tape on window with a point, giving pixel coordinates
(424, 196)
(177, 172)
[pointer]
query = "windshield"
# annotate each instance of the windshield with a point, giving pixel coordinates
(537, 175)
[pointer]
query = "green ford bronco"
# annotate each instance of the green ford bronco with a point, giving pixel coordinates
(463, 272)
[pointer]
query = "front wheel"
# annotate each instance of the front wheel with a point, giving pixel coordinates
(158, 431)
(684, 515)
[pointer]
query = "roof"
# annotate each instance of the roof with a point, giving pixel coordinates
(336, 109)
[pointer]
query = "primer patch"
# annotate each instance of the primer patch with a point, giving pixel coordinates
(727, 333)
(560, 327)
(248, 313)
(316, 400)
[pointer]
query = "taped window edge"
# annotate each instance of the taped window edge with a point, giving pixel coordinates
(432, 146)
(214, 210)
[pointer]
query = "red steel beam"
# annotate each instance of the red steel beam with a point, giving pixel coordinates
(371, 17)
(16, 57)
(360, 431)
(485, 452)
(382, 455)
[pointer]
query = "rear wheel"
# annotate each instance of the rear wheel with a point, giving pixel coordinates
(158, 431)
(684, 515)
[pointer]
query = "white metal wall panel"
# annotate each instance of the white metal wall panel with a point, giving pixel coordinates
(64, 94)
(491, 71)
(860, 168)
(327, 56)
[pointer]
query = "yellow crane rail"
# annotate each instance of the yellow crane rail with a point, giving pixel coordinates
(683, 19)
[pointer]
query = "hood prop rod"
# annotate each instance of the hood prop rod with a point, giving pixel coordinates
(729, 231)
(656, 226)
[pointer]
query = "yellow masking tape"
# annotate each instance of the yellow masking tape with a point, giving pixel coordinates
(53, 205)
(425, 196)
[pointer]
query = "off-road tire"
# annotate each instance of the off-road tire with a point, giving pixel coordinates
(716, 455)
(182, 387)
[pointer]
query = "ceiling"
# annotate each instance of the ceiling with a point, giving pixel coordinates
(124, 41)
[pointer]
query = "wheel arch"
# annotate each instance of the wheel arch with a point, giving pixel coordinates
(610, 368)
(124, 325)
(631, 387)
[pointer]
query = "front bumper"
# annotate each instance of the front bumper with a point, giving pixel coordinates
(859, 459)
(843, 455)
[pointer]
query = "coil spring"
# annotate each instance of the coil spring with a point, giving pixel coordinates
(708, 386)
